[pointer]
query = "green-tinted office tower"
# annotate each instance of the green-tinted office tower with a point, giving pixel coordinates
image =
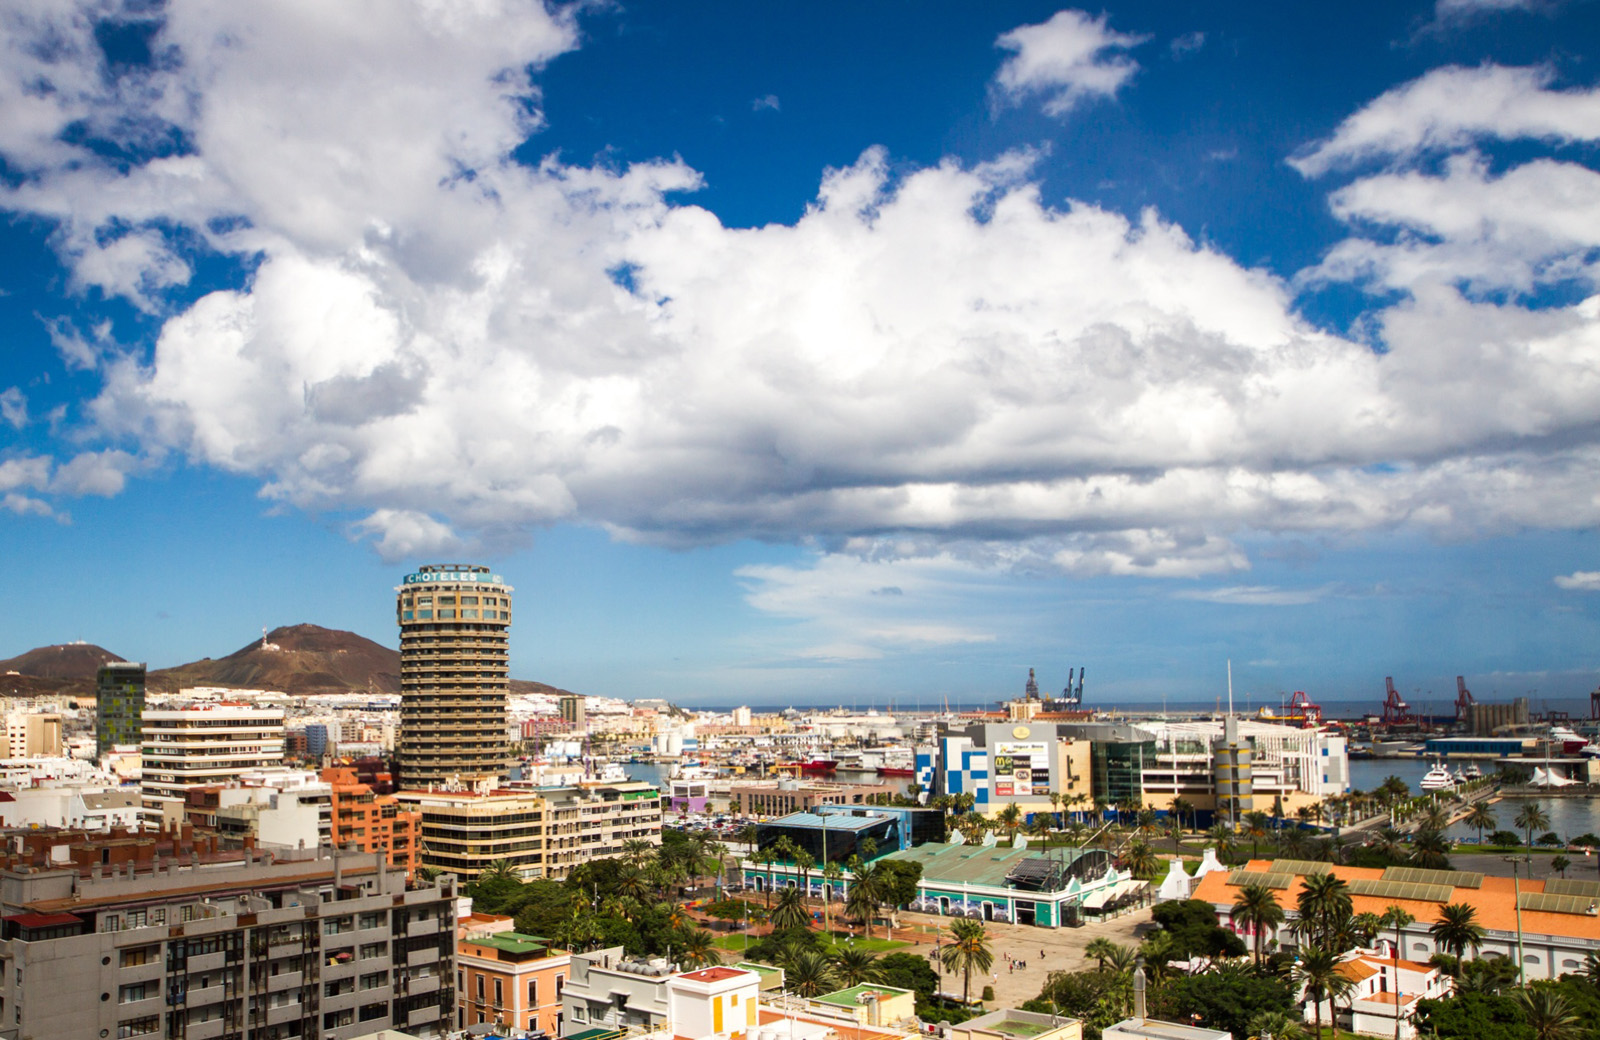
(119, 704)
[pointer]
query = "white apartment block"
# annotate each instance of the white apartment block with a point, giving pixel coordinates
(209, 745)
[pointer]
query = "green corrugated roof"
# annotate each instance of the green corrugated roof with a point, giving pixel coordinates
(512, 942)
(973, 864)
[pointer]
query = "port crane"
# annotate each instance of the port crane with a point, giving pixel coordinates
(1396, 712)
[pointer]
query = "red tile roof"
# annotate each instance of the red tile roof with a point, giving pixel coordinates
(715, 974)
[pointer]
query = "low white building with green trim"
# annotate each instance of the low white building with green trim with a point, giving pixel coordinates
(990, 882)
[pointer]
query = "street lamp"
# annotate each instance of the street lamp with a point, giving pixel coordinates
(1516, 891)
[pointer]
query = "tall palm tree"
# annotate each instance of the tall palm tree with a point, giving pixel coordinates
(1010, 818)
(967, 949)
(1055, 807)
(804, 862)
(1532, 818)
(1481, 817)
(1457, 929)
(1549, 1015)
(697, 949)
(865, 895)
(767, 855)
(1317, 972)
(855, 967)
(1100, 949)
(1397, 917)
(1183, 809)
(1324, 906)
(791, 911)
(1257, 908)
(831, 873)
(810, 973)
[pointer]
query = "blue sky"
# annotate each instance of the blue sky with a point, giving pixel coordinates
(807, 353)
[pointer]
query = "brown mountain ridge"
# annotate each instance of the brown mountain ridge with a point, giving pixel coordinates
(297, 659)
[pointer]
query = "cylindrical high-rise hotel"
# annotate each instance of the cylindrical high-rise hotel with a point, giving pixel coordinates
(455, 621)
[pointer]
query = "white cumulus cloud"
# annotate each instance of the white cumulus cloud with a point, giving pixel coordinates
(1450, 107)
(1071, 58)
(934, 368)
(1580, 581)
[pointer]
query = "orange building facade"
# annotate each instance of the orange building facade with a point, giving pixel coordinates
(506, 978)
(374, 822)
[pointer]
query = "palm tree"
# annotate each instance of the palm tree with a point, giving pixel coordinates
(697, 949)
(1280, 1025)
(1317, 972)
(1122, 959)
(804, 862)
(1481, 817)
(1591, 969)
(831, 873)
(862, 901)
(1532, 818)
(1256, 824)
(1397, 917)
(810, 973)
(1010, 818)
(1559, 864)
(637, 850)
(968, 949)
(500, 870)
(1434, 818)
(766, 855)
(1430, 850)
(1100, 949)
(855, 967)
(1257, 908)
(1180, 807)
(1457, 929)
(791, 911)
(869, 848)
(1549, 1015)
(428, 874)
(632, 882)
(1140, 859)
(1324, 907)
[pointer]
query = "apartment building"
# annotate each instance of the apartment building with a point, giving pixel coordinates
(1223, 768)
(181, 938)
(508, 979)
(208, 745)
(591, 821)
(372, 822)
(33, 734)
(543, 832)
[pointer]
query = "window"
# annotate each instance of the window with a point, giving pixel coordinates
(375, 980)
(479, 977)
(370, 950)
(158, 915)
(561, 984)
(138, 1026)
(372, 1011)
(533, 993)
(499, 993)
(136, 918)
(138, 991)
(137, 955)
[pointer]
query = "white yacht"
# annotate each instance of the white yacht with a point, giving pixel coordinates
(1438, 779)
